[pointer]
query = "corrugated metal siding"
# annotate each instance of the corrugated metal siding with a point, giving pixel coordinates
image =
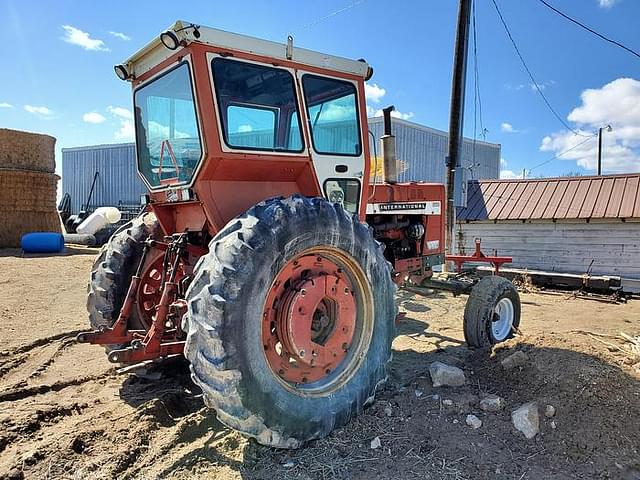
(606, 196)
(614, 248)
(117, 183)
(423, 151)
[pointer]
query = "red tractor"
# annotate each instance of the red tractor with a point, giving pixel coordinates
(267, 255)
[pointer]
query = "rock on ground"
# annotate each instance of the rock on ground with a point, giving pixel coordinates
(526, 420)
(491, 403)
(549, 411)
(517, 359)
(444, 375)
(473, 421)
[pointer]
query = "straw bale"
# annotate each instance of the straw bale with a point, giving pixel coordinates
(25, 150)
(27, 204)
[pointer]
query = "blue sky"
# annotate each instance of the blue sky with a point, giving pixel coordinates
(59, 76)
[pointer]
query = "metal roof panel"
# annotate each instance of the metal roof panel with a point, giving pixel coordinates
(607, 196)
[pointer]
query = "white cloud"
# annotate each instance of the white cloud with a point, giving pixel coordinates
(126, 132)
(507, 128)
(531, 86)
(617, 104)
(40, 111)
(372, 112)
(5, 105)
(607, 3)
(76, 36)
(508, 175)
(120, 112)
(93, 117)
(373, 92)
(505, 173)
(120, 35)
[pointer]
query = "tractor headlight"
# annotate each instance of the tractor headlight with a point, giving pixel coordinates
(169, 39)
(122, 72)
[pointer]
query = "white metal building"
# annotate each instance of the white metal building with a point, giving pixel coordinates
(570, 225)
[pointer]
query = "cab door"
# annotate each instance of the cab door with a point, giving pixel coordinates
(336, 148)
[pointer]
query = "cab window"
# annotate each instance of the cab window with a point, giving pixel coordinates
(167, 134)
(257, 106)
(333, 115)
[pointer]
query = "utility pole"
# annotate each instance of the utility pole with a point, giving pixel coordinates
(608, 129)
(456, 114)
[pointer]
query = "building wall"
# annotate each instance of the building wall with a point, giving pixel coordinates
(422, 151)
(569, 247)
(117, 182)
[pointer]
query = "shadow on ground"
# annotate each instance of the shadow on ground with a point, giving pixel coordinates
(595, 432)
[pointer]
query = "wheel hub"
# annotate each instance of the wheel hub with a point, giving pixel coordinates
(309, 319)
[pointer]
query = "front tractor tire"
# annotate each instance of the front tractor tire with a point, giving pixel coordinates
(290, 320)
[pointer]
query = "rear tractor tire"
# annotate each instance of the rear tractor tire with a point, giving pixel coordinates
(290, 320)
(492, 313)
(112, 270)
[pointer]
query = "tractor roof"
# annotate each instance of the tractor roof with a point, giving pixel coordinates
(155, 52)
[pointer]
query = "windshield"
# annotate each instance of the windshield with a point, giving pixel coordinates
(167, 134)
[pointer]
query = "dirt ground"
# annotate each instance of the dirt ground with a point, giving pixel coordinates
(65, 413)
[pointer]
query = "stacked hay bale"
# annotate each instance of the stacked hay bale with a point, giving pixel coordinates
(27, 185)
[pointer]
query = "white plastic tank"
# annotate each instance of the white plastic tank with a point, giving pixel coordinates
(99, 219)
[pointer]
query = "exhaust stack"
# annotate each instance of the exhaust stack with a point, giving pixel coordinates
(388, 141)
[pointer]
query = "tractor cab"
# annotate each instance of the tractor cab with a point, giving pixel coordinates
(232, 120)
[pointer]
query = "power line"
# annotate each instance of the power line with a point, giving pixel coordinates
(315, 22)
(582, 25)
(562, 153)
(524, 64)
(475, 88)
(475, 67)
(477, 97)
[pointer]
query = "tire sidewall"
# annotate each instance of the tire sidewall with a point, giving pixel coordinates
(277, 242)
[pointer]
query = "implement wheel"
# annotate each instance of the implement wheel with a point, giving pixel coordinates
(291, 319)
(492, 312)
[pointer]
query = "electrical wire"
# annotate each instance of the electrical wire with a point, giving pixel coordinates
(476, 70)
(535, 83)
(563, 152)
(582, 25)
(315, 22)
(476, 89)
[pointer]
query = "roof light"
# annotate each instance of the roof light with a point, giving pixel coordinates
(122, 72)
(169, 39)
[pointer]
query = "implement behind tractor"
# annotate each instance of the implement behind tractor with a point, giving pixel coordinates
(267, 254)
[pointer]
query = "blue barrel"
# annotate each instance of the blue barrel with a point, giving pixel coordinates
(42, 242)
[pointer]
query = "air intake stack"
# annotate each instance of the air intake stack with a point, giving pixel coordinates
(388, 141)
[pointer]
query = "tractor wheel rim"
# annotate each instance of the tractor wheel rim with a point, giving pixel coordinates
(502, 323)
(317, 320)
